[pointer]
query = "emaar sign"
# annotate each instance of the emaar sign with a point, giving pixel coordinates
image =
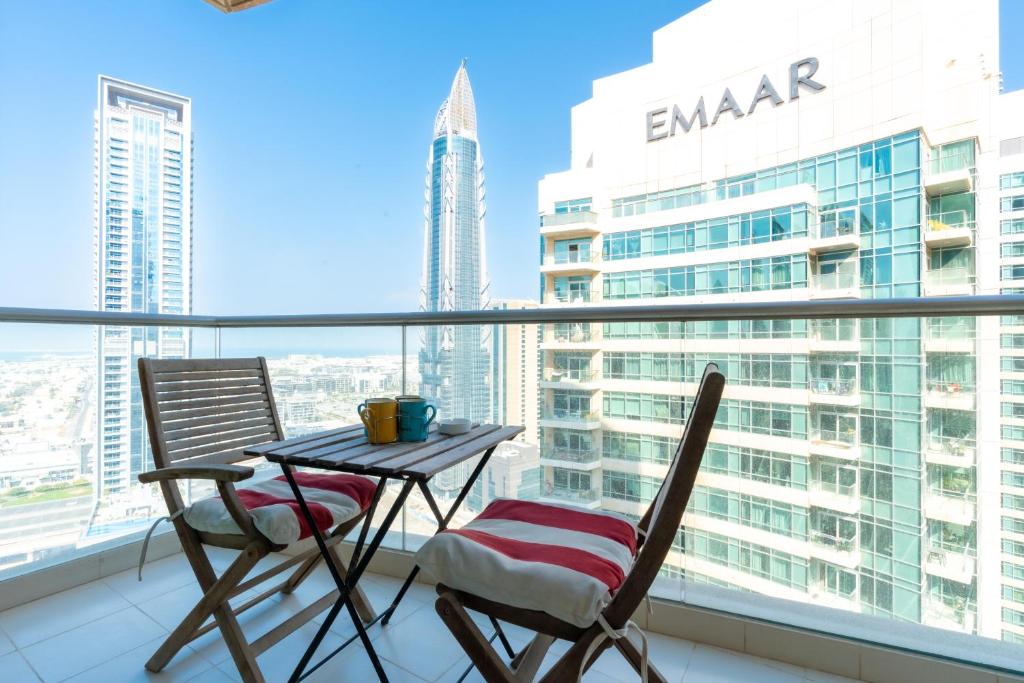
(661, 125)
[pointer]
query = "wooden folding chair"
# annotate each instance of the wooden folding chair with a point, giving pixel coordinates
(201, 415)
(658, 528)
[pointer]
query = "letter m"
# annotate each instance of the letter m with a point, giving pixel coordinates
(678, 118)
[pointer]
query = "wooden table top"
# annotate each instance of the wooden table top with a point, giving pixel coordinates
(346, 450)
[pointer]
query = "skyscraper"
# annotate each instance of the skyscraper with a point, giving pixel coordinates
(514, 372)
(850, 461)
(454, 360)
(142, 219)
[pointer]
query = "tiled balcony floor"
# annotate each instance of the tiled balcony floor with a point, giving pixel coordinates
(106, 630)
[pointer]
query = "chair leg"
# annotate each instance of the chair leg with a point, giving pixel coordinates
(480, 652)
(214, 602)
(526, 664)
(634, 657)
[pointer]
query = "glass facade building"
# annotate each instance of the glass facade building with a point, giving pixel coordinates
(455, 359)
(849, 459)
(143, 242)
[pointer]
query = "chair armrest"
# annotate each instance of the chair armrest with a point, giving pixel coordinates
(216, 472)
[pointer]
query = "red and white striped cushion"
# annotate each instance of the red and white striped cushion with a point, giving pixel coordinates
(562, 560)
(332, 499)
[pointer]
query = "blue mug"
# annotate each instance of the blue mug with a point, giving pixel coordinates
(414, 418)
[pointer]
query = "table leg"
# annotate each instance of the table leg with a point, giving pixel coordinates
(442, 524)
(345, 586)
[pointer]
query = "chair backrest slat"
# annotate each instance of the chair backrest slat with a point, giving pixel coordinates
(662, 519)
(207, 411)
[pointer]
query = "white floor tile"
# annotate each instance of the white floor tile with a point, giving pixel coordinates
(212, 676)
(278, 662)
(131, 667)
(6, 645)
(354, 665)
(94, 633)
(14, 669)
(670, 655)
(41, 619)
(420, 643)
(714, 665)
(170, 608)
(158, 577)
(92, 644)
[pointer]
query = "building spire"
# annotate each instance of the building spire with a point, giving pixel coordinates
(457, 114)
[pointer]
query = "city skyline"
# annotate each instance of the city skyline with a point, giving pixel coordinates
(239, 204)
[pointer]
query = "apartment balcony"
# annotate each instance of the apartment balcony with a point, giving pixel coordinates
(561, 378)
(949, 451)
(569, 458)
(957, 336)
(733, 587)
(571, 264)
(571, 298)
(838, 392)
(939, 233)
(570, 339)
(948, 175)
(948, 507)
(952, 617)
(821, 342)
(950, 564)
(572, 419)
(834, 236)
(834, 497)
(561, 225)
(590, 499)
(834, 549)
(952, 281)
(835, 286)
(841, 445)
(949, 395)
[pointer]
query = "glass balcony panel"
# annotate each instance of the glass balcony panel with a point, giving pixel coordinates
(793, 500)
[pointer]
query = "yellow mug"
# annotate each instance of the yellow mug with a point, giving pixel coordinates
(380, 417)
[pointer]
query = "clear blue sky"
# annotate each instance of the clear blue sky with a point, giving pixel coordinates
(312, 120)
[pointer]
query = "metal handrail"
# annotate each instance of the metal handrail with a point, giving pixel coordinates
(907, 307)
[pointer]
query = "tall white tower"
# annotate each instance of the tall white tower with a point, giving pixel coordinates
(454, 360)
(142, 218)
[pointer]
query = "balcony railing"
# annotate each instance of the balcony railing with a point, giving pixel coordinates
(573, 495)
(570, 258)
(958, 277)
(568, 415)
(555, 219)
(944, 162)
(833, 387)
(584, 297)
(842, 544)
(842, 227)
(584, 456)
(951, 387)
(955, 447)
(569, 375)
(563, 335)
(776, 447)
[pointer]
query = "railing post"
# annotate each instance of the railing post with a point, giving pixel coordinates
(404, 358)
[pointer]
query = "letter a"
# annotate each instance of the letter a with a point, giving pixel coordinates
(728, 103)
(765, 91)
